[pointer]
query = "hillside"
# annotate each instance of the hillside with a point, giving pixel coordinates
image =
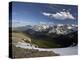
(46, 40)
(19, 37)
(18, 52)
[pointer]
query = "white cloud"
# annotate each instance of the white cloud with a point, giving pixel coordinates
(60, 15)
(46, 14)
(64, 9)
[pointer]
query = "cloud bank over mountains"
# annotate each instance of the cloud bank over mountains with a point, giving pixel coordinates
(62, 15)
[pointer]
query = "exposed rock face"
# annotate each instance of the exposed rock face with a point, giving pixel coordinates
(26, 45)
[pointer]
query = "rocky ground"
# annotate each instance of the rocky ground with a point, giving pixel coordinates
(26, 53)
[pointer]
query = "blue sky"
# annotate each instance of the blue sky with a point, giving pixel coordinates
(31, 14)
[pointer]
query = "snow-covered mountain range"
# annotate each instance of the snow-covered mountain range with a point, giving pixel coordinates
(58, 29)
